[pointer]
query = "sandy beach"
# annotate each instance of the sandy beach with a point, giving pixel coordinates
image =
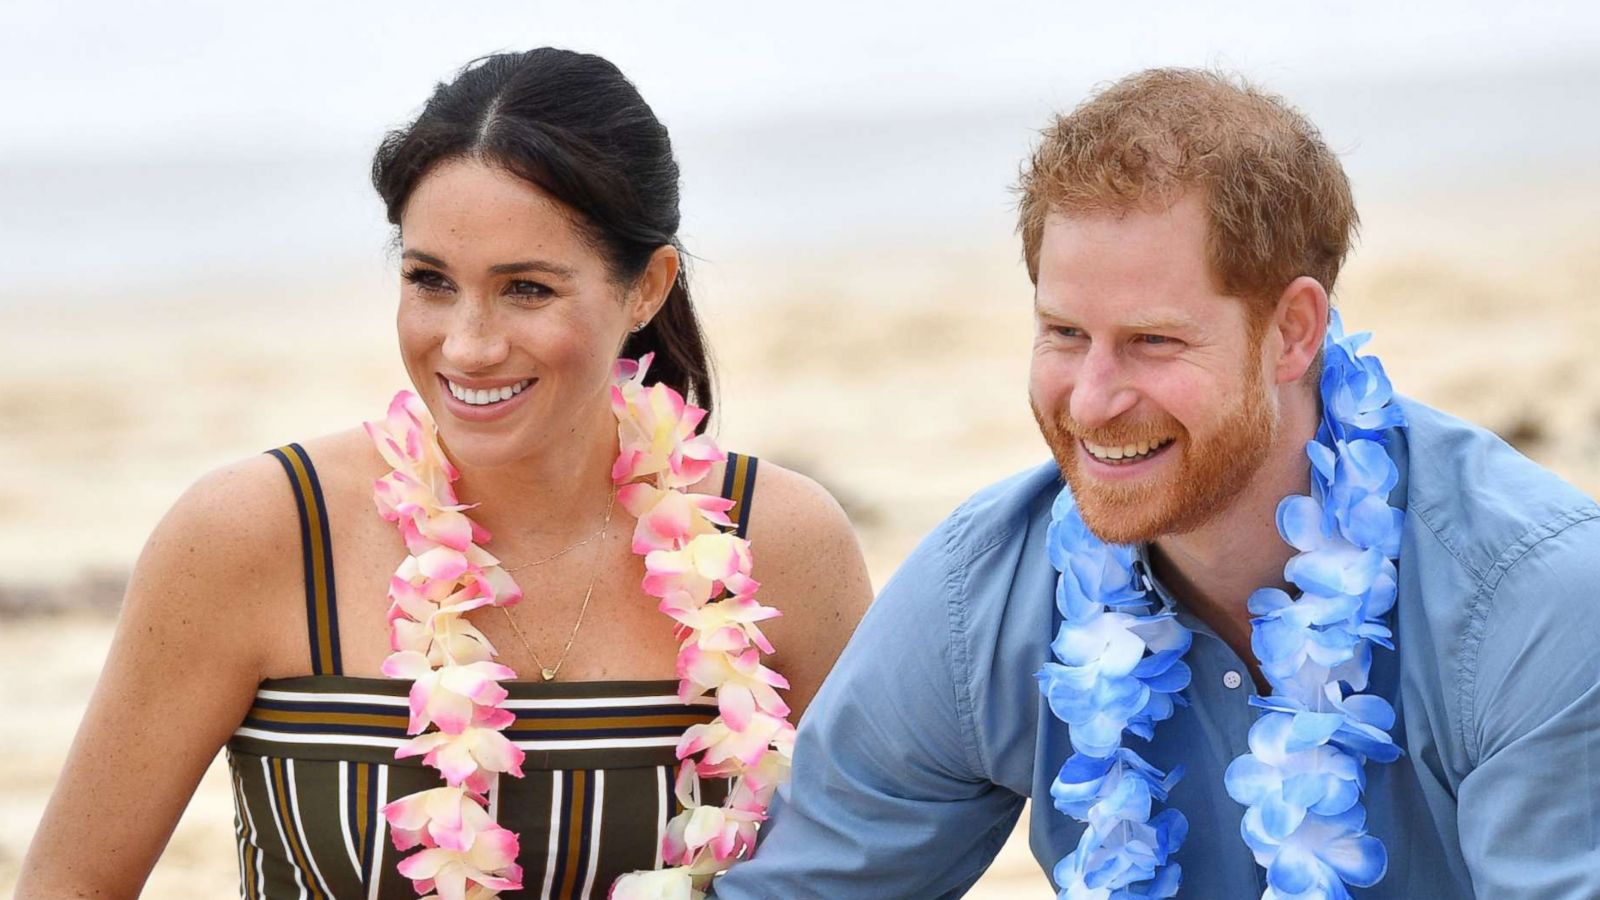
(895, 377)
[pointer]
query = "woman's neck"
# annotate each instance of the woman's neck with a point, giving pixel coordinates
(560, 489)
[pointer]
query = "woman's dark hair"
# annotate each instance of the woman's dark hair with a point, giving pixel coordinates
(574, 125)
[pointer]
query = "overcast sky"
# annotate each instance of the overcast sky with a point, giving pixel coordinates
(83, 78)
(174, 137)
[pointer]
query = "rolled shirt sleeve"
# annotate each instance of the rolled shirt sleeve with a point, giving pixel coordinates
(888, 798)
(1529, 813)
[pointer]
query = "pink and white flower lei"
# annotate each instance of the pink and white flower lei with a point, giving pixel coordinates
(699, 572)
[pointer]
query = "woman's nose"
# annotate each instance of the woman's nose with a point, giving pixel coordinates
(474, 342)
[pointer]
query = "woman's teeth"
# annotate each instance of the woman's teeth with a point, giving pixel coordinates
(1126, 451)
(480, 397)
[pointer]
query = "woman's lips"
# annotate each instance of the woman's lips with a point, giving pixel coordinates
(487, 412)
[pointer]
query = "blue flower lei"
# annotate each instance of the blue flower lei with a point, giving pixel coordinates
(1119, 668)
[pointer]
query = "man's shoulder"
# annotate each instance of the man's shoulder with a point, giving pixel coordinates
(1506, 607)
(994, 521)
(999, 514)
(1483, 501)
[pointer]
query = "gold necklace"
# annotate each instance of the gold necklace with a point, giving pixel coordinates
(570, 547)
(548, 673)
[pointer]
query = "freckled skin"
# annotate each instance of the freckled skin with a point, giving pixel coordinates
(563, 329)
(1136, 344)
(1135, 341)
(216, 601)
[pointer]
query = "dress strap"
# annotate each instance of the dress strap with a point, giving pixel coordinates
(739, 485)
(316, 550)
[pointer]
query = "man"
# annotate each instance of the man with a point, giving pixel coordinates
(1182, 232)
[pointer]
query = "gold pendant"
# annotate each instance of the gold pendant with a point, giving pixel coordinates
(548, 673)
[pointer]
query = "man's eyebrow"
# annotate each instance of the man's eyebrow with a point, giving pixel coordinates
(1041, 306)
(1149, 323)
(513, 268)
(1159, 324)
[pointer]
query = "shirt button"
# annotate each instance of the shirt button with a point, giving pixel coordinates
(1231, 680)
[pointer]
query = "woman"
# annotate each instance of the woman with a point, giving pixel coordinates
(536, 199)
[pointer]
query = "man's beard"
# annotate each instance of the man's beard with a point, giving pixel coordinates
(1209, 473)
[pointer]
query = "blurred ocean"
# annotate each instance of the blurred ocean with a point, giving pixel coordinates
(108, 227)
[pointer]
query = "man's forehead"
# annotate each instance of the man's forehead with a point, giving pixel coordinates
(1134, 246)
(1086, 309)
(1136, 268)
(1166, 214)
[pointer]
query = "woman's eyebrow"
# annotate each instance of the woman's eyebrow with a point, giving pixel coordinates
(422, 257)
(513, 268)
(533, 265)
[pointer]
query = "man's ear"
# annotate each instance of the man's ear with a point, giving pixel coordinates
(1299, 322)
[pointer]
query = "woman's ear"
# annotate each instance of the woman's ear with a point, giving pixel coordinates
(654, 284)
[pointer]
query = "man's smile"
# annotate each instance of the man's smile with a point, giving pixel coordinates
(1126, 453)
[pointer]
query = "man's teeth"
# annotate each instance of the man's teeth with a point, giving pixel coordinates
(481, 397)
(1126, 451)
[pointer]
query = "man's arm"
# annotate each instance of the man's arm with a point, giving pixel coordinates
(1529, 813)
(888, 798)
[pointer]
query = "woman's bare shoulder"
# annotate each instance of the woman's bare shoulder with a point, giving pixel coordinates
(239, 525)
(225, 521)
(802, 533)
(253, 499)
(810, 566)
(215, 597)
(792, 515)
(347, 464)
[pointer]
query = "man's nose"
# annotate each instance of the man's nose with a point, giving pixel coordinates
(1102, 391)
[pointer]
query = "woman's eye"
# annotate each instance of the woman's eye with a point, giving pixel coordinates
(427, 281)
(531, 290)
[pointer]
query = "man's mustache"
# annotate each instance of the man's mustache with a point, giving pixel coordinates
(1116, 434)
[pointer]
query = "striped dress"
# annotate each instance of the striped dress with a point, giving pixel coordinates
(313, 761)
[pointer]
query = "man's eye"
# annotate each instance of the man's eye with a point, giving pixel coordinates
(1067, 331)
(1156, 339)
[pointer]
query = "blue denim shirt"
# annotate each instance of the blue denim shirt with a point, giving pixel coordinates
(915, 758)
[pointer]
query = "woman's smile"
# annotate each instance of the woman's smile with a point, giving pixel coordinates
(483, 400)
